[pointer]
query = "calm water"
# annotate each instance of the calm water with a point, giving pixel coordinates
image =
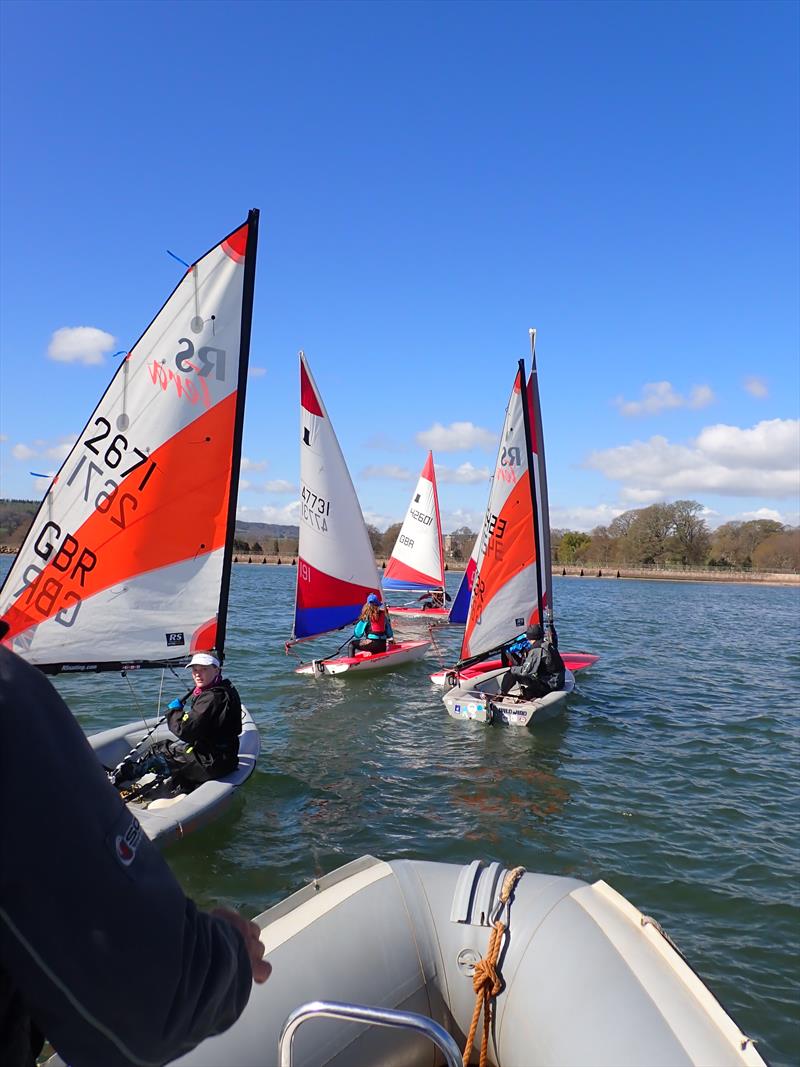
(673, 774)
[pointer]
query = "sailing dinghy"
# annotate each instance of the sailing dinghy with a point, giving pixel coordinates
(336, 569)
(512, 584)
(417, 561)
(127, 562)
(375, 961)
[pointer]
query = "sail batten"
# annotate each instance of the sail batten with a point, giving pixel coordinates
(127, 561)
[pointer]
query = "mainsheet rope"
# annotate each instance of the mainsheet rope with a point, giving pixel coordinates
(486, 980)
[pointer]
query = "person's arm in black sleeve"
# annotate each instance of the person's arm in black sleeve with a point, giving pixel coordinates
(116, 965)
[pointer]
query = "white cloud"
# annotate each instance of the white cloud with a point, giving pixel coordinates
(457, 437)
(454, 520)
(756, 387)
(243, 484)
(61, 449)
(762, 461)
(286, 515)
(583, 518)
(3, 436)
(80, 344)
(660, 396)
(23, 452)
(256, 372)
(253, 465)
(642, 497)
(41, 483)
(465, 474)
(279, 485)
(762, 513)
(379, 520)
(388, 470)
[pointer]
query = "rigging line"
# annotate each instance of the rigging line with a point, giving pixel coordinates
(439, 652)
(135, 699)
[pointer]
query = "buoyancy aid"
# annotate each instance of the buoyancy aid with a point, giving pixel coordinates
(376, 627)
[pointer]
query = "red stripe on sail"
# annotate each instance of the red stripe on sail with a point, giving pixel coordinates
(180, 513)
(235, 246)
(308, 395)
(427, 470)
(316, 589)
(403, 573)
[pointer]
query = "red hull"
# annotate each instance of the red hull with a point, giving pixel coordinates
(573, 661)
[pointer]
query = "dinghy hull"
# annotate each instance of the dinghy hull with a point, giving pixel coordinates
(168, 819)
(586, 977)
(480, 699)
(434, 616)
(573, 661)
(365, 662)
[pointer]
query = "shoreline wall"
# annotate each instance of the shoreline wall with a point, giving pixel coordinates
(602, 571)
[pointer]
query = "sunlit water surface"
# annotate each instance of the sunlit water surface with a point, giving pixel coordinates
(673, 774)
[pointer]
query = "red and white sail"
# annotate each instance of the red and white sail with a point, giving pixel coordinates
(127, 561)
(336, 568)
(417, 560)
(509, 591)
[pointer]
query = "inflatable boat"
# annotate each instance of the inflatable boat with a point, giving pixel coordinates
(376, 964)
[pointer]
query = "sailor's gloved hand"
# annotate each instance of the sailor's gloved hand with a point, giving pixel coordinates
(174, 705)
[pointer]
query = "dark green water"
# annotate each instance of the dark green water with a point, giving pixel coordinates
(673, 774)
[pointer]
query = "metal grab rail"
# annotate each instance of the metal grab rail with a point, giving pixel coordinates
(404, 1020)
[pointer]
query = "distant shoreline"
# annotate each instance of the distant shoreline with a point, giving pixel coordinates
(574, 570)
(603, 572)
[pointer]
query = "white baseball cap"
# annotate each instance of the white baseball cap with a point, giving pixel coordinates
(202, 659)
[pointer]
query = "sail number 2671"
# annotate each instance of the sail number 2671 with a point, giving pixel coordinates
(314, 509)
(112, 453)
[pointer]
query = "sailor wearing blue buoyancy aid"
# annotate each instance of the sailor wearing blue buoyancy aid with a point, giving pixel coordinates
(373, 628)
(100, 949)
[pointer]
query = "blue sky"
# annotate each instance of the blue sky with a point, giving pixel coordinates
(434, 178)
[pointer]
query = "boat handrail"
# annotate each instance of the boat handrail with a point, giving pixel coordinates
(404, 1020)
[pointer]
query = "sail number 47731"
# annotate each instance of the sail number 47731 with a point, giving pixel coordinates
(314, 509)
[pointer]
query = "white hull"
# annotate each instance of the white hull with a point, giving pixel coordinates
(587, 978)
(403, 652)
(480, 699)
(169, 819)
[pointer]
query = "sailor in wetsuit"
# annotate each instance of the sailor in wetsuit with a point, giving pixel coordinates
(207, 722)
(538, 669)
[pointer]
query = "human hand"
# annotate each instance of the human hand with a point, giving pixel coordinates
(252, 940)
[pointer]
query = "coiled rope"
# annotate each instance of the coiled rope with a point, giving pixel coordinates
(486, 981)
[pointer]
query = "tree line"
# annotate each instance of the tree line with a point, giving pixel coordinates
(659, 535)
(678, 535)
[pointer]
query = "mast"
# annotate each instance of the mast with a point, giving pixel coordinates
(241, 389)
(438, 524)
(543, 516)
(532, 481)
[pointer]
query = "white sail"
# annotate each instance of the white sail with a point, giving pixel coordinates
(336, 568)
(127, 561)
(417, 560)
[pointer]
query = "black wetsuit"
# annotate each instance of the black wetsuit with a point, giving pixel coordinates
(541, 672)
(208, 728)
(100, 950)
